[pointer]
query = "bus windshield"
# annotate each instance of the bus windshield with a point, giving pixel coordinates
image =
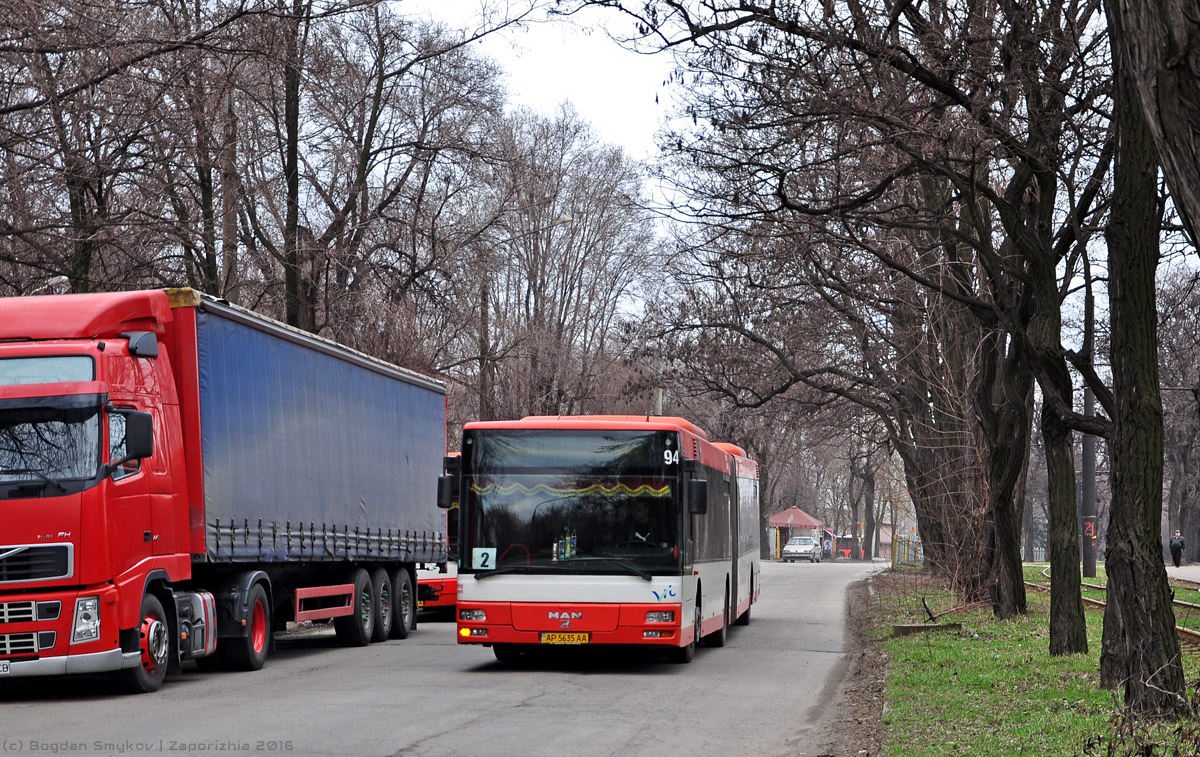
(569, 501)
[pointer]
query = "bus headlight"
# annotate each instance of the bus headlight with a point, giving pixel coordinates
(665, 616)
(87, 620)
(472, 615)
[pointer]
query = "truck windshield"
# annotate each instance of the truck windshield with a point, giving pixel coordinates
(46, 444)
(571, 501)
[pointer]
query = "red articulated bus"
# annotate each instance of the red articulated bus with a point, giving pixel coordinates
(602, 530)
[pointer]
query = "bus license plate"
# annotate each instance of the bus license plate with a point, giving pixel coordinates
(3, 668)
(556, 637)
(420, 604)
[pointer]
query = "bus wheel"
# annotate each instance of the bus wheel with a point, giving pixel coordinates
(385, 614)
(744, 618)
(717, 638)
(154, 638)
(354, 630)
(404, 604)
(684, 655)
(506, 652)
(249, 652)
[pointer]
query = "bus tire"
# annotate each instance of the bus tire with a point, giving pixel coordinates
(354, 630)
(718, 638)
(744, 618)
(506, 652)
(684, 655)
(249, 652)
(385, 606)
(404, 604)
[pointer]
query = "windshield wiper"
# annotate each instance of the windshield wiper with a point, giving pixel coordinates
(46, 480)
(509, 569)
(635, 570)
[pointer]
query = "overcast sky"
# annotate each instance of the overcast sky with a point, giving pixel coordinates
(555, 62)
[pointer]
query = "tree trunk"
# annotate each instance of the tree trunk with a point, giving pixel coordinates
(1140, 649)
(1158, 45)
(1068, 625)
(292, 271)
(1005, 419)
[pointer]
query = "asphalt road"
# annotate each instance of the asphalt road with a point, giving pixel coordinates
(762, 694)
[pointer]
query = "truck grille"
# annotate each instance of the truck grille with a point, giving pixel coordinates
(16, 644)
(17, 612)
(35, 562)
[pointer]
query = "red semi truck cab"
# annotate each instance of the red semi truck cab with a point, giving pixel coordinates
(92, 501)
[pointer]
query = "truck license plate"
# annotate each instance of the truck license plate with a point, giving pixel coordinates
(555, 637)
(3, 668)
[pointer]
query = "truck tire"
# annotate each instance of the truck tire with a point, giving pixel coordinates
(154, 637)
(404, 603)
(385, 605)
(355, 630)
(249, 652)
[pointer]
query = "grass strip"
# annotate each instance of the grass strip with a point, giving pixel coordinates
(992, 688)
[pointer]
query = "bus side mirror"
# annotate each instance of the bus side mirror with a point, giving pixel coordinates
(447, 491)
(697, 496)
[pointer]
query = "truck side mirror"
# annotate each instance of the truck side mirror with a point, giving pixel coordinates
(139, 435)
(142, 343)
(447, 491)
(697, 496)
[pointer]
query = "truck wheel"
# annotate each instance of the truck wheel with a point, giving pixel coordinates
(249, 652)
(154, 637)
(404, 599)
(354, 630)
(384, 605)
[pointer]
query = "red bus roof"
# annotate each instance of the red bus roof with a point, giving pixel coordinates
(607, 421)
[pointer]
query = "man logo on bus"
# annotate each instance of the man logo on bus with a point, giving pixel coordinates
(564, 618)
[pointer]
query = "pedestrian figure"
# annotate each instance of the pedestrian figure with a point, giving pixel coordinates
(1176, 548)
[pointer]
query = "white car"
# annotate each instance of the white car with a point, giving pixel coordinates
(802, 547)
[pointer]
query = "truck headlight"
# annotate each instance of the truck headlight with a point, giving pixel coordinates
(660, 617)
(87, 620)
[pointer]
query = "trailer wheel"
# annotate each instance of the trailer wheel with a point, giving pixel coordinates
(355, 630)
(249, 652)
(404, 599)
(154, 638)
(385, 614)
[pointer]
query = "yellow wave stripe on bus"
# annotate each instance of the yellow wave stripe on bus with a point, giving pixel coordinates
(645, 490)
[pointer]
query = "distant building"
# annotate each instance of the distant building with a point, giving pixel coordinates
(791, 522)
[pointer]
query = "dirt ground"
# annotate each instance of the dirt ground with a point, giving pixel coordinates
(853, 723)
